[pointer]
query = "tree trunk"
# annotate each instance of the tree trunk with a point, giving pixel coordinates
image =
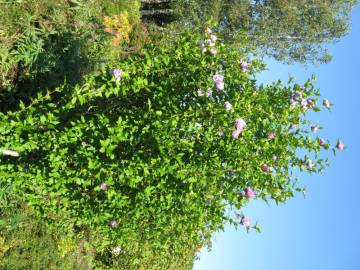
(154, 1)
(158, 11)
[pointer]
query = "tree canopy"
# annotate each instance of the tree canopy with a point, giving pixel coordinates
(288, 30)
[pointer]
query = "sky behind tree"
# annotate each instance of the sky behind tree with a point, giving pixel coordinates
(321, 231)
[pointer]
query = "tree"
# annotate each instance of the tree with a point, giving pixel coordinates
(288, 30)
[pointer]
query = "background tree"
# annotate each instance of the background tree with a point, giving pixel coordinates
(288, 30)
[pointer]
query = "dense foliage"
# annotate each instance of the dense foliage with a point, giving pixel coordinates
(43, 42)
(127, 145)
(152, 155)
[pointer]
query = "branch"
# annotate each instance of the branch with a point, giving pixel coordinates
(156, 12)
(154, 1)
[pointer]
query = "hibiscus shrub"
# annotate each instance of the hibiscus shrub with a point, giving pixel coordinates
(150, 154)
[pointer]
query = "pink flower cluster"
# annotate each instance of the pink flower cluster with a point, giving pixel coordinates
(103, 186)
(117, 73)
(309, 164)
(113, 223)
(209, 44)
(307, 103)
(249, 193)
(245, 221)
(339, 145)
(240, 124)
(219, 81)
(244, 65)
(207, 93)
(239, 127)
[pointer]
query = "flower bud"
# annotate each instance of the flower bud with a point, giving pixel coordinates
(327, 103)
(213, 51)
(340, 145)
(265, 168)
(228, 106)
(244, 66)
(315, 128)
(117, 74)
(245, 221)
(240, 124)
(213, 38)
(249, 193)
(236, 133)
(113, 223)
(219, 85)
(321, 141)
(218, 78)
(271, 136)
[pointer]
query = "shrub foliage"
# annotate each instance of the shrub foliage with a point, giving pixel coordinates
(154, 154)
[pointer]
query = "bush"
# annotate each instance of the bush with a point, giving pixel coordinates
(151, 155)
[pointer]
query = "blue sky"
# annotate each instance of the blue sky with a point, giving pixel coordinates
(321, 231)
